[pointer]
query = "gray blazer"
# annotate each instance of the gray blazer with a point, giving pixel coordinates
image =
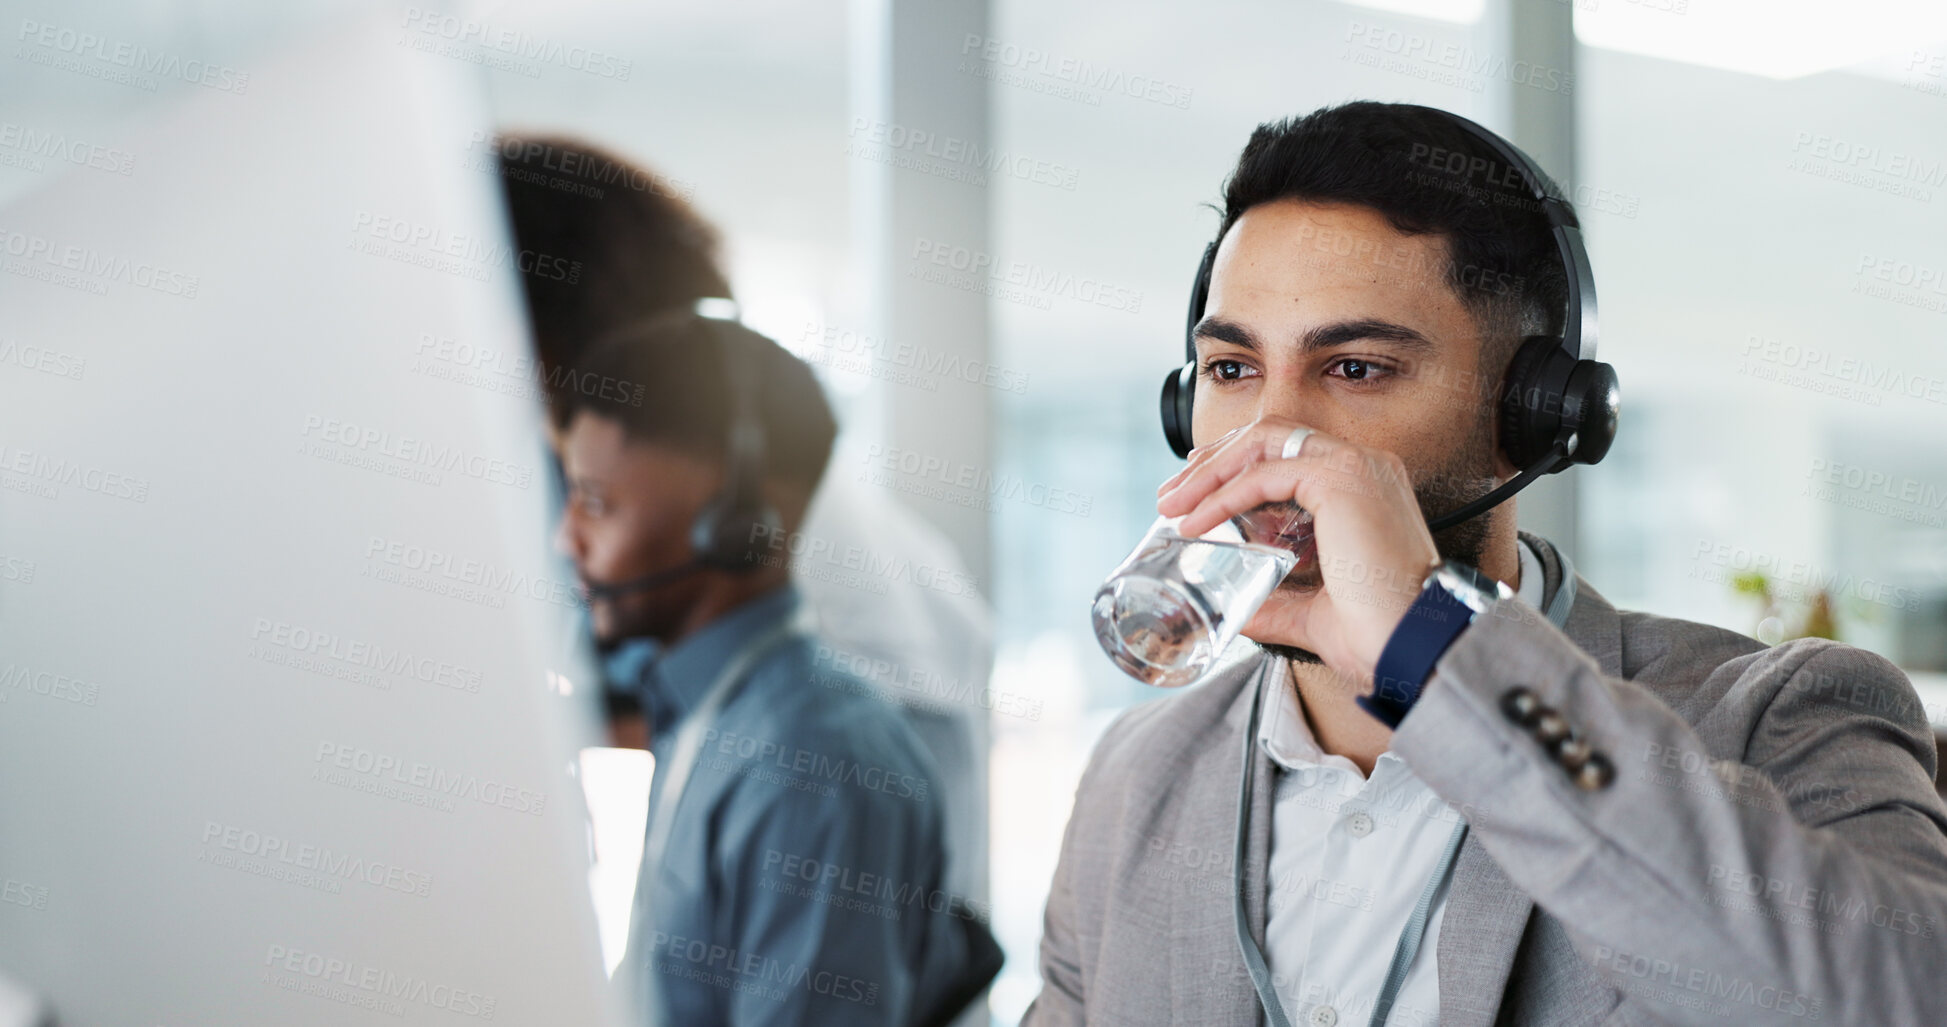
(1770, 849)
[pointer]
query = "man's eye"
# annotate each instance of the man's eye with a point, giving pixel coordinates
(1354, 369)
(1220, 369)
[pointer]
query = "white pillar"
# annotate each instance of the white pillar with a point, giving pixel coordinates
(906, 78)
(1543, 124)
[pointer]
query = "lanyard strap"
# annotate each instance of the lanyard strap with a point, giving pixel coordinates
(1558, 607)
(683, 755)
(1409, 939)
(1253, 956)
(683, 752)
(1564, 598)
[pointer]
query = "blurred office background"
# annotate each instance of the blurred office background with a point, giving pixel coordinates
(978, 218)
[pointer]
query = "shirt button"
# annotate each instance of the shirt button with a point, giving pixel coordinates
(1359, 825)
(1324, 1016)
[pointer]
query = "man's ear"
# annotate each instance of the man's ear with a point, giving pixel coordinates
(1488, 395)
(1503, 470)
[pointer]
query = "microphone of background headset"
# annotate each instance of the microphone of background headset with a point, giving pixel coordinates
(1558, 404)
(731, 530)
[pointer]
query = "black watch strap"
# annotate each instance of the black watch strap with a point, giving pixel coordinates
(1430, 625)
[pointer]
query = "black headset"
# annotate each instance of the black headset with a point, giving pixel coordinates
(736, 527)
(1558, 404)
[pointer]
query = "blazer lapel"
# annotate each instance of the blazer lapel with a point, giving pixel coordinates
(1486, 914)
(1593, 624)
(1479, 933)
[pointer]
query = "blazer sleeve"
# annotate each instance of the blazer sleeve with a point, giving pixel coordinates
(1063, 999)
(1803, 880)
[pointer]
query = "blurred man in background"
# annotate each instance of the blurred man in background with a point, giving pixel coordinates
(798, 876)
(803, 876)
(644, 251)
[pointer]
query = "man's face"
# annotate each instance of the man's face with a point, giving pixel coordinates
(1326, 314)
(630, 505)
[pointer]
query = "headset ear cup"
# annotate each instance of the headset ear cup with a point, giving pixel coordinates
(754, 531)
(1593, 404)
(732, 536)
(706, 534)
(1179, 393)
(1532, 396)
(1180, 388)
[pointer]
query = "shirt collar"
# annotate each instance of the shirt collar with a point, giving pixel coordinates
(671, 680)
(1532, 576)
(1287, 739)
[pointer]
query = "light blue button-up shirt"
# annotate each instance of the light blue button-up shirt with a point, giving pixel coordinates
(802, 882)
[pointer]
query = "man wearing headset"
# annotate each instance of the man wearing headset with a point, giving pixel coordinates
(1451, 783)
(794, 866)
(795, 873)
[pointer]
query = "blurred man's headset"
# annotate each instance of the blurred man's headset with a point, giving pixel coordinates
(1558, 403)
(737, 525)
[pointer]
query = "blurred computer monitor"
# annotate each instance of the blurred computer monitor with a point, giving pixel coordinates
(288, 700)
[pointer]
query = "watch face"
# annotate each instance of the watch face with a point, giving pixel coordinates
(1470, 586)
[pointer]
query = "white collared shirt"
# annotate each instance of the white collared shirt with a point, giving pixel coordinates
(1349, 859)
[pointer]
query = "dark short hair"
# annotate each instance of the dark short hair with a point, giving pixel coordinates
(1426, 175)
(641, 247)
(665, 381)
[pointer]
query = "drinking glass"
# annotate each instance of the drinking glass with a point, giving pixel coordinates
(1174, 604)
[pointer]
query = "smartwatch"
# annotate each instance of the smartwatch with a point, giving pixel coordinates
(1452, 595)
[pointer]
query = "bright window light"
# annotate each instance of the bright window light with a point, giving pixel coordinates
(1460, 12)
(616, 782)
(1776, 38)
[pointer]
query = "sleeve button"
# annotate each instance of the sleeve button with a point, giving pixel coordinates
(1573, 752)
(1521, 705)
(1595, 774)
(1551, 728)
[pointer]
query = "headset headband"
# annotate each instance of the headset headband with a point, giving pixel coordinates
(744, 455)
(1579, 326)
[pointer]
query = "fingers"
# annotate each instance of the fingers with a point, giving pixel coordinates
(1274, 483)
(1237, 450)
(1247, 470)
(1199, 456)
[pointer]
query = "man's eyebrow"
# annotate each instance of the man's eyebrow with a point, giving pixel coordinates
(1367, 329)
(1226, 331)
(1326, 336)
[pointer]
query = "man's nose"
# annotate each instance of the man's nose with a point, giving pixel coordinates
(1284, 397)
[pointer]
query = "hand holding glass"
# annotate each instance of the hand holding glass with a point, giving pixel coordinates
(1175, 604)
